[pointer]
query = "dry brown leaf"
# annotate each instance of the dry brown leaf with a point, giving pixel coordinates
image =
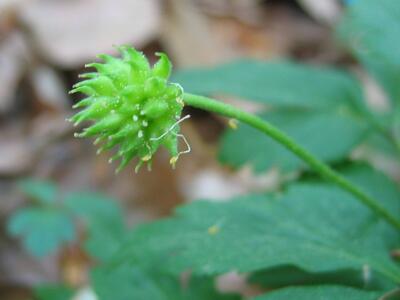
(70, 33)
(13, 57)
(16, 157)
(249, 11)
(49, 88)
(189, 38)
(325, 11)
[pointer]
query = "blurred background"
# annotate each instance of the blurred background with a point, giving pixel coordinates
(44, 45)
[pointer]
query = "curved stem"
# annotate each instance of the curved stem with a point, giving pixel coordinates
(318, 166)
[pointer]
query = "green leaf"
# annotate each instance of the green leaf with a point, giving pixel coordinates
(43, 230)
(382, 189)
(381, 145)
(104, 222)
(104, 238)
(320, 292)
(91, 205)
(53, 292)
(371, 29)
(330, 136)
(126, 283)
(313, 226)
(284, 276)
(203, 288)
(43, 191)
(275, 83)
(376, 184)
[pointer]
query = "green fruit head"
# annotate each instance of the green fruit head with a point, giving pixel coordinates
(131, 105)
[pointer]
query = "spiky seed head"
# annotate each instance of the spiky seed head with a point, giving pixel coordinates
(131, 105)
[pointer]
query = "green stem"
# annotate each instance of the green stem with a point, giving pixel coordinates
(318, 166)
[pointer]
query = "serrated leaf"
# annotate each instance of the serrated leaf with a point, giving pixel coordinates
(313, 226)
(275, 83)
(320, 292)
(126, 283)
(42, 230)
(371, 29)
(41, 190)
(330, 136)
(53, 292)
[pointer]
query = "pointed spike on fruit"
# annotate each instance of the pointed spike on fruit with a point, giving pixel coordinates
(109, 123)
(134, 54)
(137, 58)
(80, 116)
(101, 85)
(107, 58)
(83, 103)
(125, 53)
(126, 158)
(146, 158)
(127, 130)
(88, 75)
(82, 83)
(97, 141)
(171, 144)
(79, 134)
(98, 66)
(114, 157)
(138, 166)
(109, 145)
(89, 113)
(84, 90)
(101, 149)
(163, 66)
(122, 49)
(91, 65)
(149, 165)
(127, 148)
(92, 130)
